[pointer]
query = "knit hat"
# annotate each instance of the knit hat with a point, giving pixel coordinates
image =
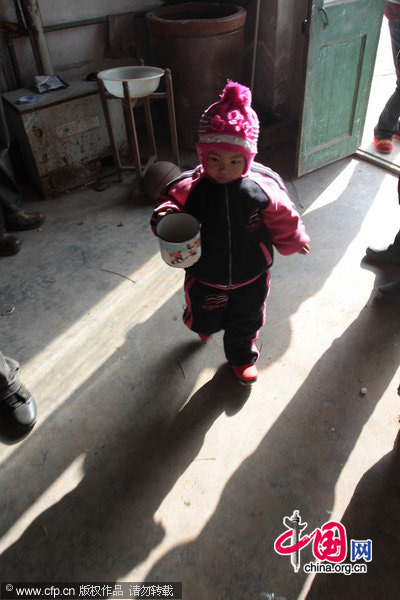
(229, 124)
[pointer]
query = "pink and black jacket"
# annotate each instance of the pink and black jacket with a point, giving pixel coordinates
(240, 223)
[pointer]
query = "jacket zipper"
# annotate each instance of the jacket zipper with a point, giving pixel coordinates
(229, 240)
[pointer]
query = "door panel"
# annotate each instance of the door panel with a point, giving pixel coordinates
(343, 40)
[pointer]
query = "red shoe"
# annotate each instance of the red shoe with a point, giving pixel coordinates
(204, 337)
(396, 136)
(383, 146)
(247, 374)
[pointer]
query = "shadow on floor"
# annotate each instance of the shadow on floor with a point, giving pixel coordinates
(106, 526)
(296, 466)
(373, 513)
(87, 244)
(133, 423)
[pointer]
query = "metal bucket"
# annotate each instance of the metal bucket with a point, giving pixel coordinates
(179, 237)
(203, 44)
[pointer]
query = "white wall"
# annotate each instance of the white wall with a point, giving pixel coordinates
(75, 52)
(60, 11)
(90, 9)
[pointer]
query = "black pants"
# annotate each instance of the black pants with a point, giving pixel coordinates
(10, 198)
(9, 376)
(239, 312)
(387, 124)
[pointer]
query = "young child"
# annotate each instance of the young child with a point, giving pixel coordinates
(244, 210)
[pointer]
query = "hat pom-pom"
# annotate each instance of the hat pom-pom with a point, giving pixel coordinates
(236, 94)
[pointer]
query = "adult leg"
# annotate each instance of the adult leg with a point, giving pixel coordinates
(13, 218)
(10, 197)
(387, 123)
(394, 29)
(15, 399)
(9, 376)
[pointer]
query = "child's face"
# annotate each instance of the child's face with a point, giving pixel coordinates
(223, 166)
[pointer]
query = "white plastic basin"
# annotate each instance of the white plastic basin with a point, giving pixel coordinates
(142, 80)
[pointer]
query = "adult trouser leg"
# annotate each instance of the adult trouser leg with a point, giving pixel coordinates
(387, 124)
(9, 376)
(10, 197)
(14, 397)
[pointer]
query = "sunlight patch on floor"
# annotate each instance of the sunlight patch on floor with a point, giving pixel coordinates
(334, 189)
(75, 355)
(63, 485)
(371, 446)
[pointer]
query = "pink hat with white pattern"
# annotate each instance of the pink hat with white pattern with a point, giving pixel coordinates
(230, 124)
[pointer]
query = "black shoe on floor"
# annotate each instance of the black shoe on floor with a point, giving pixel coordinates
(21, 408)
(24, 220)
(9, 245)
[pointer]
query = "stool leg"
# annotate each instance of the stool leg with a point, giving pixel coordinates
(132, 133)
(171, 116)
(107, 118)
(149, 126)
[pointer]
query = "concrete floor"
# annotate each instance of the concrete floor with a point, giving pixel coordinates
(149, 461)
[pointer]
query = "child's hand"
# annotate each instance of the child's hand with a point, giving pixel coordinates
(305, 249)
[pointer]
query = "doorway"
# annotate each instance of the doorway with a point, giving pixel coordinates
(382, 87)
(341, 56)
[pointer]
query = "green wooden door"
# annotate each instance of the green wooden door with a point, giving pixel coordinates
(343, 40)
